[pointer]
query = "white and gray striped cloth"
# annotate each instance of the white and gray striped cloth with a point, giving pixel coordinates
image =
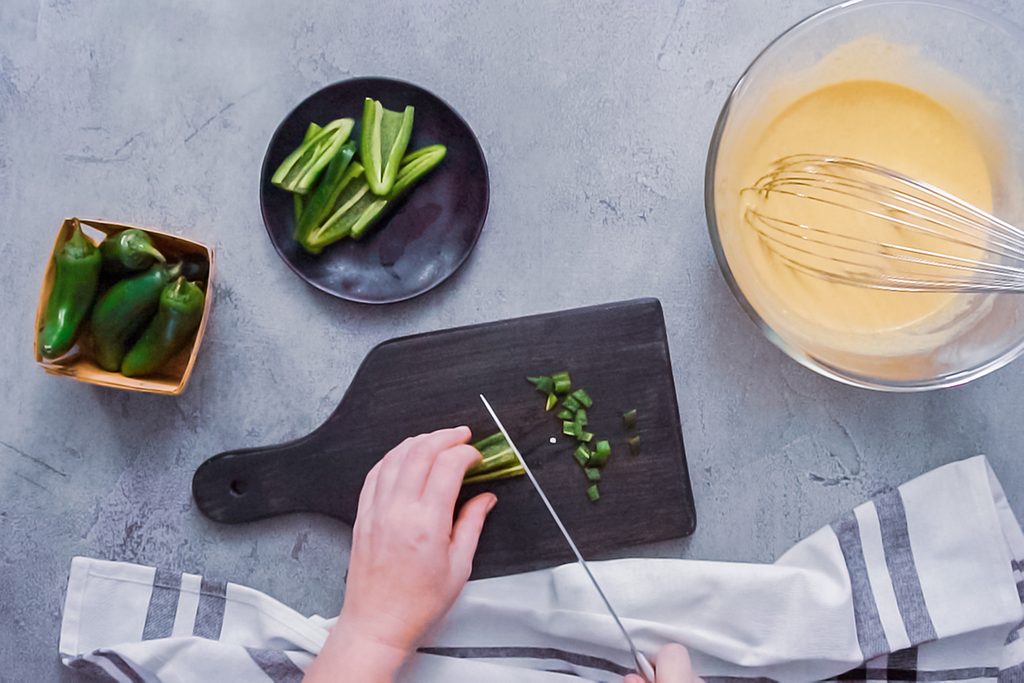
(922, 583)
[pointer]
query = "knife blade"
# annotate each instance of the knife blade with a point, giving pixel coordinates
(641, 661)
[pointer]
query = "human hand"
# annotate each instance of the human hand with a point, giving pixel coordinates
(671, 666)
(409, 561)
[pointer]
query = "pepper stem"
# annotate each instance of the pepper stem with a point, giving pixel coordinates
(78, 245)
(154, 252)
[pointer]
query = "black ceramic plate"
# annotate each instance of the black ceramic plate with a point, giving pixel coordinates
(422, 241)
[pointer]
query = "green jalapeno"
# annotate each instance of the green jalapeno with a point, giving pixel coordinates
(76, 276)
(129, 251)
(173, 326)
(124, 310)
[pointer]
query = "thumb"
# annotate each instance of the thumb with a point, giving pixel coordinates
(466, 531)
(632, 678)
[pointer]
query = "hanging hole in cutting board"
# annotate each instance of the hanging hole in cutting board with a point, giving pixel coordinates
(238, 487)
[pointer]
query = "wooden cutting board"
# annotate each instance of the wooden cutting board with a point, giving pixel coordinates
(618, 352)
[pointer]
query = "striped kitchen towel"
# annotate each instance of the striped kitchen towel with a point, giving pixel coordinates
(922, 583)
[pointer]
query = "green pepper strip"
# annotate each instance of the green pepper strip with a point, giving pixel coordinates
(358, 209)
(498, 461)
(300, 169)
(495, 443)
(298, 200)
(385, 137)
(321, 201)
(76, 278)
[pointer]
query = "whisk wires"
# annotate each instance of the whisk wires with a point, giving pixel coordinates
(853, 222)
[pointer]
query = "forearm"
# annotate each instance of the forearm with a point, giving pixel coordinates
(348, 656)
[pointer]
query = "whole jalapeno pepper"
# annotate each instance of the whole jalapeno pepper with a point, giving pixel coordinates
(76, 277)
(181, 310)
(129, 251)
(124, 310)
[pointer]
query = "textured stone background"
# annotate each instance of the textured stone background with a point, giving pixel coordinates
(595, 117)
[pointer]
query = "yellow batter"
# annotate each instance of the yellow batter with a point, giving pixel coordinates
(880, 122)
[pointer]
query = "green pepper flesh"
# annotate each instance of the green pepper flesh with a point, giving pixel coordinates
(124, 310)
(177, 318)
(129, 251)
(385, 137)
(77, 266)
(300, 169)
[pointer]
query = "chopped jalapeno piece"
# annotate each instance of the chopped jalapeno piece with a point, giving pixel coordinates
(583, 397)
(544, 385)
(572, 404)
(563, 383)
(551, 403)
(593, 494)
(602, 451)
(629, 419)
(566, 414)
(582, 455)
(593, 474)
(634, 445)
(585, 437)
(570, 429)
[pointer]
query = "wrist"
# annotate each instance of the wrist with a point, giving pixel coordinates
(353, 652)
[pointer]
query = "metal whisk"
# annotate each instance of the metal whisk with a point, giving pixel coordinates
(933, 241)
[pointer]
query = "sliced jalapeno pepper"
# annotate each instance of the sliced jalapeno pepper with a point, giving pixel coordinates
(385, 136)
(321, 201)
(357, 208)
(300, 169)
(298, 200)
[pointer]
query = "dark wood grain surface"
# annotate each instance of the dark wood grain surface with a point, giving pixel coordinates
(618, 352)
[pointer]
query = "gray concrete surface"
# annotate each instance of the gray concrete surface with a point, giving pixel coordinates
(595, 118)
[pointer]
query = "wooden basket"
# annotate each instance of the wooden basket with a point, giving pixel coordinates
(77, 364)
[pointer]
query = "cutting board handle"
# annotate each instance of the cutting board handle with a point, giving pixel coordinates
(247, 484)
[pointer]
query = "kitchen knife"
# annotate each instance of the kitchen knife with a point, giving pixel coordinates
(645, 666)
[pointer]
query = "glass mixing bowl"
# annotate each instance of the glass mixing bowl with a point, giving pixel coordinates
(956, 47)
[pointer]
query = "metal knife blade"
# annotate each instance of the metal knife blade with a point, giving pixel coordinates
(644, 665)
